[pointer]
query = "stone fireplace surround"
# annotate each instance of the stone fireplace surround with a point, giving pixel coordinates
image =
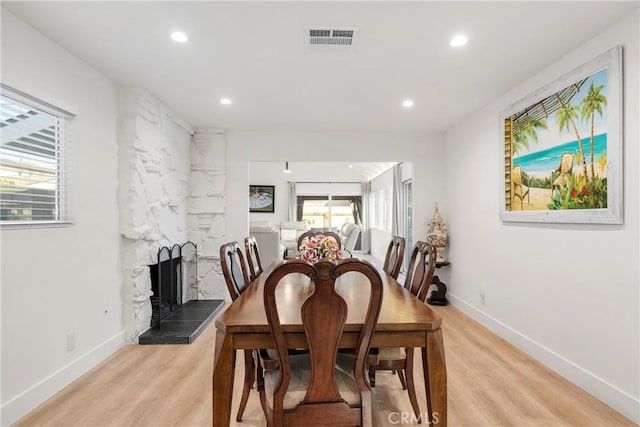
(171, 189)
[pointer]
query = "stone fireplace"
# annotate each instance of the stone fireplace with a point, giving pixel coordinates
(171, 189)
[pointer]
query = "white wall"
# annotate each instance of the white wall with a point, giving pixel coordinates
(206, 219)
(567, 294)
(424, 150)
(65, 279)
(380, 238)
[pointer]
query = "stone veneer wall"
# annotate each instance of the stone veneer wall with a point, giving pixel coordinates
(154, 176)
(206, 218)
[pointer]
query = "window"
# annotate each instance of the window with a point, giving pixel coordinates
(380, 208)
(387, 208)
(315, 210)
(407, 209)
(329, 212)
(373, 219)
(33, 154)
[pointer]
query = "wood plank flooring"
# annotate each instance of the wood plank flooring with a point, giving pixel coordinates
(490, 384)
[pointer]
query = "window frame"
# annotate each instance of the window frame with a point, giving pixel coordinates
(64, 141)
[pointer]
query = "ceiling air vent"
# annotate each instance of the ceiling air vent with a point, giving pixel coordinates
(328, 39)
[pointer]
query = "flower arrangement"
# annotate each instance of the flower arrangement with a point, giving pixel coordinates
(319, 246)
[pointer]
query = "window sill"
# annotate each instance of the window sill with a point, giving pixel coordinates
(16, 225)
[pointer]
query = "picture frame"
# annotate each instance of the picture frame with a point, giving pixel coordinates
(561, 148)
(262, 198)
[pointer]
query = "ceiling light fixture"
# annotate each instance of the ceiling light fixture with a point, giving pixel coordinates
(286, 168)
(459, 40)
(225, 101)
(179, 37)
(407, 103)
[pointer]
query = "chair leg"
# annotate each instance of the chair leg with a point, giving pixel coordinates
(261, 391)
(401, 376)
(249, 377)
(372, 375)
(411, 388)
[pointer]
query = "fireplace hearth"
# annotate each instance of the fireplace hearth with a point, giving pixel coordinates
(178, 316)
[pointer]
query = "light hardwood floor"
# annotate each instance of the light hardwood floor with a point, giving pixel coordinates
(490, 384)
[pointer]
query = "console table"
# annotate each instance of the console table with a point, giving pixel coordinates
(439, 295)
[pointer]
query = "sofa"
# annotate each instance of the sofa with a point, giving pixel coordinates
(289, 233)
(349, 234)
(268, 239)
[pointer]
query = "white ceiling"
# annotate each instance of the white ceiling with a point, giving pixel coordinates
(335, 171)
(255, 54)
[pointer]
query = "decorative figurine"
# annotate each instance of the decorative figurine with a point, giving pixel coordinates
(437, 233)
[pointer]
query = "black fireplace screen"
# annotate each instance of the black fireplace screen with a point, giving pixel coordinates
(174, 279)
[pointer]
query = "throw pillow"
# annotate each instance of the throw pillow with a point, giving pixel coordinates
(288, 235)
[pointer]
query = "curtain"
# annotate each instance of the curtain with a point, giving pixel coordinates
(397, 219)
(292, 203)
(366, 232)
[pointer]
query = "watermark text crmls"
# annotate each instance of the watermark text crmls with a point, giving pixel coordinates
(399, 418)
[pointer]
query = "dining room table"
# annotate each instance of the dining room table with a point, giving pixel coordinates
(404, 321)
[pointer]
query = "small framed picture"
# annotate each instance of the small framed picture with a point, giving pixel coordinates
(262, 198)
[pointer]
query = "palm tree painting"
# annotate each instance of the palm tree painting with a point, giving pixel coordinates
(562, 148)
(558, 149)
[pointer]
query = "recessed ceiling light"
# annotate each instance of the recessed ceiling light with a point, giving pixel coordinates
(225, 101)
(350, 166)
(407, 103)
(179, 36)
(459, 40)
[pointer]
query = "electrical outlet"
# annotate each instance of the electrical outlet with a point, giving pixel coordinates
(71, 341)
(482, 298)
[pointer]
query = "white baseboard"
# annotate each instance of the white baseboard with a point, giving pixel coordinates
(617, 399)
(28, 400)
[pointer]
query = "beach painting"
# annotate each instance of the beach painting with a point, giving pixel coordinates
(561, 148)
(261, 198)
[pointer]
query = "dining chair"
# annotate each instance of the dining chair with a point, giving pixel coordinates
(253, 257)
(395, 256)
(323, 386)
(309, 234)
(235, 276)
(400, 359)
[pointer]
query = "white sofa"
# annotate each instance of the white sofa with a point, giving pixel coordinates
(268, 239)
(289, 233)
(349, 234)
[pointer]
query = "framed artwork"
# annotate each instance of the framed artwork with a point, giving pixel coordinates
(261, 198)
(561, 148)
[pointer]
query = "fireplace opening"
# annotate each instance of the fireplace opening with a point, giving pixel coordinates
(167, 282)
(178, 316)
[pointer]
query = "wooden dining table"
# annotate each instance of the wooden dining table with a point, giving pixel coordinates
(404, 321)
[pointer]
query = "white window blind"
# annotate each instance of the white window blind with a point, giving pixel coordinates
(33, 160)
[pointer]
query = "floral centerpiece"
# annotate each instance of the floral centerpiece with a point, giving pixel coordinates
(319, 246)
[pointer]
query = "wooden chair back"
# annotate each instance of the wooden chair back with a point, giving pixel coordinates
(309, 234)
(421, 269)
(233, 269)
(253, 257)
(323, 314)
(395, 256)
